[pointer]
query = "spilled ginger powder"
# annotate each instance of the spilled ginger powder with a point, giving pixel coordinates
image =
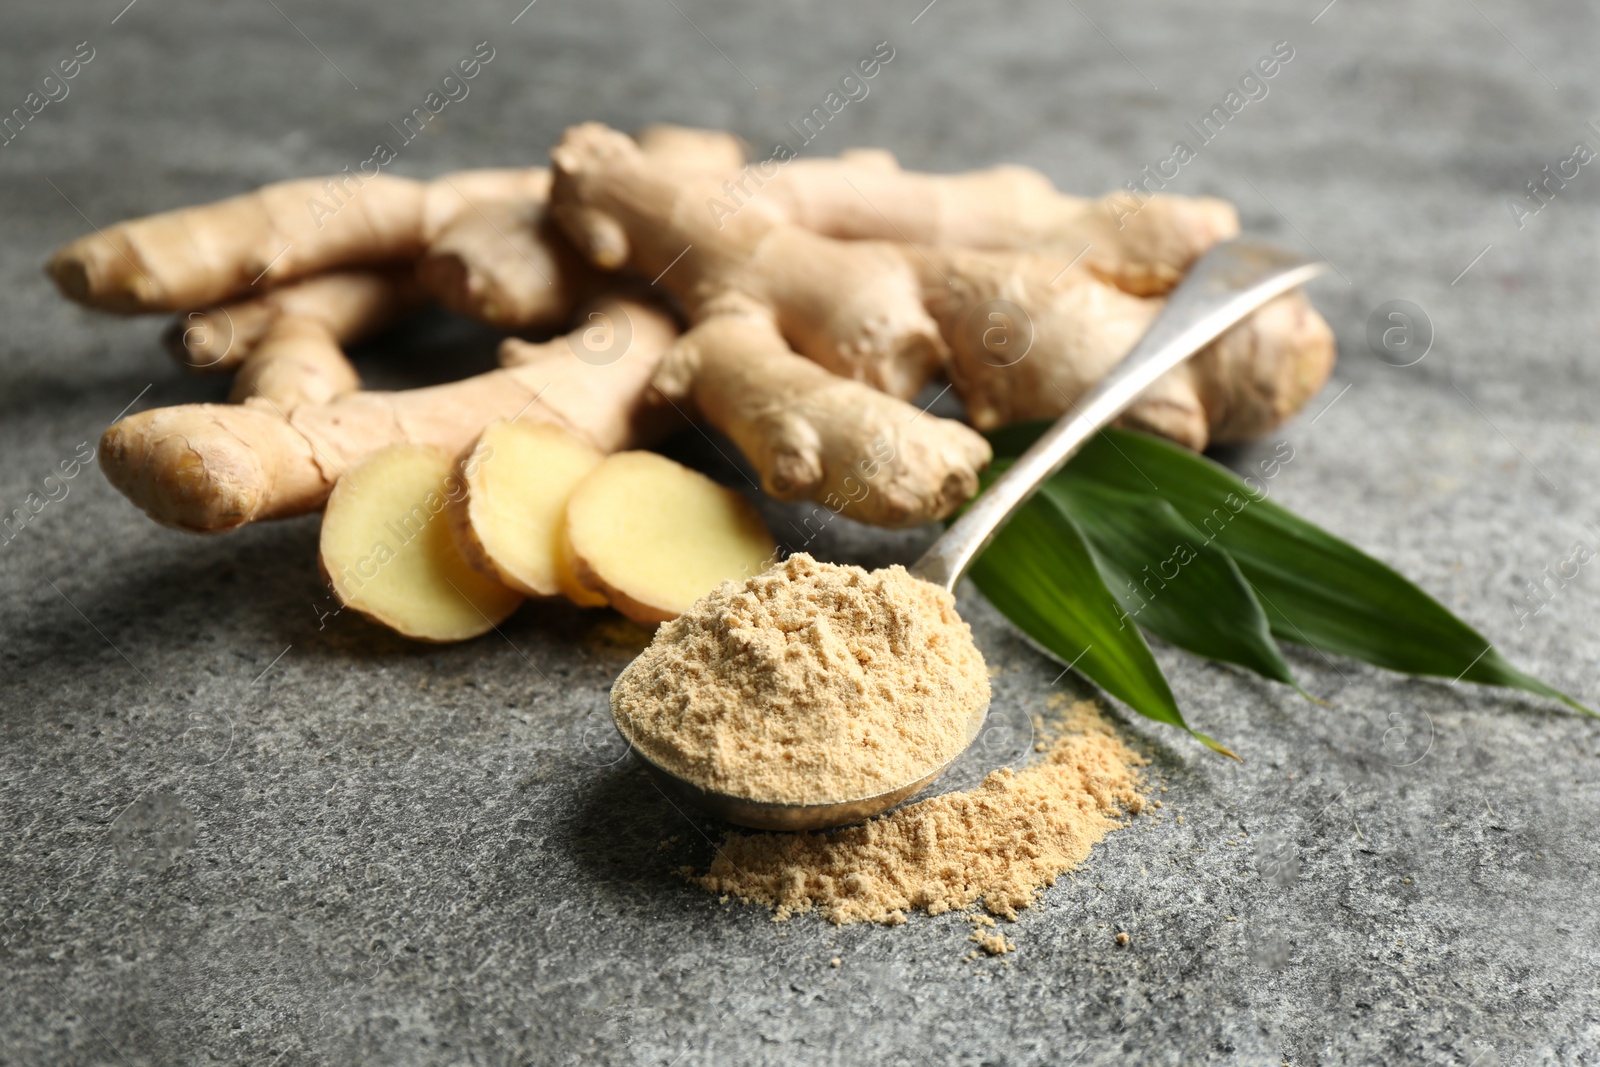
(809, 683)
(998, 844)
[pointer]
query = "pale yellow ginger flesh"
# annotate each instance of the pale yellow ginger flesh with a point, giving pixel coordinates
(508, 523)
(567, 579)
(387, 551)
(655, 536)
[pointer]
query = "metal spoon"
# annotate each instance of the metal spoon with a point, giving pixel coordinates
(1226, 284)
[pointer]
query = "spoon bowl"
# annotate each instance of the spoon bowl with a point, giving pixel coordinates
(772, 815)
(1226, 284)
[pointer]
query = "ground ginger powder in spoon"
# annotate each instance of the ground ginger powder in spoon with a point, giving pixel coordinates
(809, 683)
(997, 845)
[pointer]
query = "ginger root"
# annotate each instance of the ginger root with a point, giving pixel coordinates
(1006, 260)
(478, 240)
(289, 345)
(500, 261)
(353, 305)
(1028, 338)
(299, 361)
(856, 309)
(200, 256)
(386, 549)
(213, 467)
(1142, 244)
(879, 277)
(813, 435)
(752, 287)
(508, 521)
(690, 149)
(844, 305)
(654, 536)
(504, 263)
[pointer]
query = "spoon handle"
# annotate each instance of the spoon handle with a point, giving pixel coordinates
(1223, 286)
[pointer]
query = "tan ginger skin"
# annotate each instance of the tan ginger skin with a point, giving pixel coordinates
(1067, 275)
(352, 304)
(197, 257)
(1029, 337)
(1142, 246)
(476, 236)
(855, 309)
(299, 361)
(813, 435)
(751, 265)
(751, 289)
(213, 467)
(289, 345)
(1072, 279)
(759, 284)
(503, 262)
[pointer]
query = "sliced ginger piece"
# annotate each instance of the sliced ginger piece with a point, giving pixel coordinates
(387, 550)
(518, 478)
(572, 586)
(655, 536)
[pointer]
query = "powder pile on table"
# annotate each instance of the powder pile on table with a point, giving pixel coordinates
(998, 844)
(808, 683)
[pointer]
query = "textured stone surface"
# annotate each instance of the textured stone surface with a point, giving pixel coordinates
(233, 835)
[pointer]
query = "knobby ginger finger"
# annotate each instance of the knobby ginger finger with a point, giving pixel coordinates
(213, 467)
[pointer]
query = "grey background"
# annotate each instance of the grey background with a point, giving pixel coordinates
(233, 835)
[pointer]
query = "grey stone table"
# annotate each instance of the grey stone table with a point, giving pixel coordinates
(237, 832)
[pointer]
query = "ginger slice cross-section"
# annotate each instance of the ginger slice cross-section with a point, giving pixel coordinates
(518, 478)
(387, 550)
(655, 536)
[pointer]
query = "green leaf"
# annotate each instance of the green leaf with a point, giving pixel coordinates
(1040, 574)
(1317, 590)
(1187, 593)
